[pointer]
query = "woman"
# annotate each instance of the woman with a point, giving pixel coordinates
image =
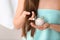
(50, 10)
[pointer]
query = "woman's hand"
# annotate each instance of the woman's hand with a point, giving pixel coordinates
(19, 20)
(42, 27)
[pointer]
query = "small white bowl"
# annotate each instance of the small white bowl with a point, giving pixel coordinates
(39, 21)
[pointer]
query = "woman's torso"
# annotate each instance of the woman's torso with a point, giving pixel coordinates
(51, 16)
(50, 10)
(49, 4)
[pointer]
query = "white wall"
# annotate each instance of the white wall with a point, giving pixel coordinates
(7, 11)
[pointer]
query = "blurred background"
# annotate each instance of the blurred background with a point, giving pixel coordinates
(7, 12)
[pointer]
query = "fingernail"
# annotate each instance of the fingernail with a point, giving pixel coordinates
(31, 23)
(32, 11)
(28, 12)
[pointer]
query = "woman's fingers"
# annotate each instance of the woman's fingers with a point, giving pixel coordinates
(46, 25)
(33, 15)
(40, 27)
(33, 25)
(26, 13)
(37, 27)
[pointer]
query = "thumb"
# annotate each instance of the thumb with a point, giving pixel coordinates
(33, 15)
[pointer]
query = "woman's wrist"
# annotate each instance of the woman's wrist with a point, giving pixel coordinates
(50, 26)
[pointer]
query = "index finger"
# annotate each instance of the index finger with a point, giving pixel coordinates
(33, 15)
(33, 25)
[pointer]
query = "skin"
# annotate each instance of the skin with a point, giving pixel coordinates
(20, 17)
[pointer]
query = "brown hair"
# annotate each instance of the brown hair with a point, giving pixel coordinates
(30, 5)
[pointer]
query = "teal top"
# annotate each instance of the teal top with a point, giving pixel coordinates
(51, 16)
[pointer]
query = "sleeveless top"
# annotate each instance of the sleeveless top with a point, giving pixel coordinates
(51, 16)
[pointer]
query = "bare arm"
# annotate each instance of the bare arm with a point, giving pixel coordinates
(55, 27)
(20, 17)
(20, 8)
(17, 19)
